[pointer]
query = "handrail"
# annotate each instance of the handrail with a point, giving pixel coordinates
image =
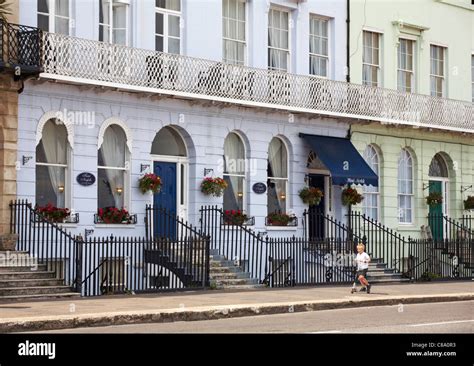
(270, 275)
(95, 269)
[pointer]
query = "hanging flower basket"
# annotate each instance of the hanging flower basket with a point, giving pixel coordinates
(149, 183)
(434, 198)
(350, 196)
(114, 215)
(234, 217)
(311, 195)
(53, 214)
(213, 186)
(469, 203)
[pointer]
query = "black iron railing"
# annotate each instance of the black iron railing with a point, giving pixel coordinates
(21, 49)
(47, 242)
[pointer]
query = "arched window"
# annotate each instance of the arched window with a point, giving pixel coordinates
(277, 173)
(113, 168)
(405, 187)
(438, 167)
(52, 154)
(371, 202)
(234, 172)
(168, 142)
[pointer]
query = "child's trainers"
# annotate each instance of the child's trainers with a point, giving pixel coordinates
(353, 290)
(368, 288)
(363, 289)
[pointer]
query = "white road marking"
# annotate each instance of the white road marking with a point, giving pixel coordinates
(441, 323)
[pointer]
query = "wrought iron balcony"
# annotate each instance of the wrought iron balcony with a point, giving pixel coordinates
(90, 62)
(20, 49)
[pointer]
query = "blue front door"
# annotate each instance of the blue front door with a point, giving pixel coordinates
(164, 225)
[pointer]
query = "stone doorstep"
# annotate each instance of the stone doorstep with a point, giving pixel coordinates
(42, 323)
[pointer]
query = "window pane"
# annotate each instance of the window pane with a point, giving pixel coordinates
(173, 26)
(112, 150)
(120, 17)
(234, 155)
(173, 45)
(169, 4)
(43, 6)
(52, 148)
(104, 33)
(62, 25)
(234, 194)
(277, 159)
(276, 196)
(159, 43)
(104, 8)
(62, 8)
(108, 181)
(48, 181)
(159, 27)
(43, 22)
(120, 36)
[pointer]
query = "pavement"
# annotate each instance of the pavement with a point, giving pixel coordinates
(221, 304)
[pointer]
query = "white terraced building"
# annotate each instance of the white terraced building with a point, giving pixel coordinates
(254, 92)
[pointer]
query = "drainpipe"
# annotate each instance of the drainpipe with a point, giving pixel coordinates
(348, 32)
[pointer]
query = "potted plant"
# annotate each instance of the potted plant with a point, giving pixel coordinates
(469, 203)
(350, 196)
(311, 195)
(114, 215)
(234, 217)
(52, 213)
(434, 198)
(279, 219)
(149, 183)
(213, 186)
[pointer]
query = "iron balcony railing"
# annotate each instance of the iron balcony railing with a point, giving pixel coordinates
(91, 62)
(20, 49)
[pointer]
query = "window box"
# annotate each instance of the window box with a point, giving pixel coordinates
(281, 219)
(113, 215)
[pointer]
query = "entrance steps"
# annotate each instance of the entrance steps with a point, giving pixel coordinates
(21, 279)
(380, 273)
(225, 274)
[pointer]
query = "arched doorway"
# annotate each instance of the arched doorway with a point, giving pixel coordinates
(170, 162)
(438, 183)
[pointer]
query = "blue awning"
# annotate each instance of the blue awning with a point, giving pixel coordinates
(342, 159)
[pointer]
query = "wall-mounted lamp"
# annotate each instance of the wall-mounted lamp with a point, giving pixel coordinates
(26, 159)
(61, 189)
(466, 188)
(427, 185)
(240, 194)
(119, 190)
(208, 171)
(283, 196)
(144, 167)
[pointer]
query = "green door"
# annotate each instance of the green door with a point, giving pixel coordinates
(436, 212)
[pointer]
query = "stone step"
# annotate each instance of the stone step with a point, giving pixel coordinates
(39, 267)
(388, 280)
(229, 275)
(236, 281)
(40, 297)
(241, 287)
(16, 283)
(223, 263)
(216, 269)
(38, 290)
(4, 276)
(382, 275)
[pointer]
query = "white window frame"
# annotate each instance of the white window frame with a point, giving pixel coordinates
(375, 190)
(52, 16)
(288, 51)
(412, 72)
(244, 42)
(67, 167)
(328, 56)
(243, 176)
(410, 165)
(372, 65)
(126, 169)
(166, 14)
(287, 179)
(435, 93)
(111, 28)
(472, 76)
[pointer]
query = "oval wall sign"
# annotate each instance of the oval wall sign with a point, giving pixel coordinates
(259, 188)
(86, 179)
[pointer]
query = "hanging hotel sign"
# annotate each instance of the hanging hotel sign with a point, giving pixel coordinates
(86, 179)
(259, 188)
